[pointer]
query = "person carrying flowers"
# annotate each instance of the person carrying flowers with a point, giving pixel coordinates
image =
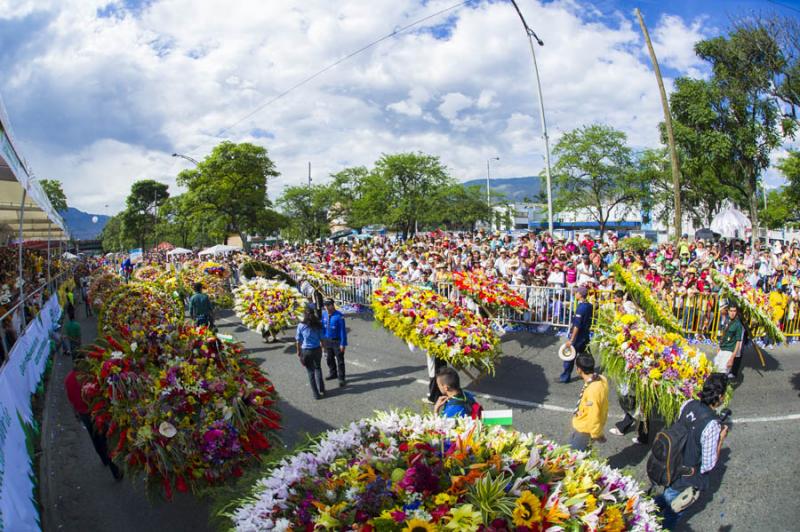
(730, 344)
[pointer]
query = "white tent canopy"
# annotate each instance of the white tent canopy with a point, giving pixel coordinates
(179, 251)
(730, 222)
(70, 256)
(219, 249)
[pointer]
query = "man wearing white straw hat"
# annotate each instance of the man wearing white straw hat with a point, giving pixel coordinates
(578, 337)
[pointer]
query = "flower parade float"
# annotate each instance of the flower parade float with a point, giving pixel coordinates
(102, 285)
(147, 274)
(641, 294)
(139, 306)
(489, 292)
(213, 276)
(402, 472)
(316, 277)
(661, 368)
(433, 323)
(268, 306)
(753, 305)
(179, 407)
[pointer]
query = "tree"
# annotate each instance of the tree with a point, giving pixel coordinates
(401, 191)
(113, 237)
(139, 216)
(307, 209)
(461, 207)
(595, 173)
(230, 187)
(790, 168)
(747, 117)
(780, 209)
(345, 188)
(52, 187)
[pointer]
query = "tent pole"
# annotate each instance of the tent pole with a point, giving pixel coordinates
(48, 252)
(20, 278)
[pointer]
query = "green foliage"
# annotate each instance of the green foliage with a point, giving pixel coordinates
(459, 207)
(790, 168)
(228, 189)
(781, 210)
(595, 172)
(113, 237)
(306, 209)
(52, 187)
(256, 268)
(139, 217)
(489, 496)
(635, 243)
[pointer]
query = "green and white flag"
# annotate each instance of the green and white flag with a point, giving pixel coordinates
(498, 417)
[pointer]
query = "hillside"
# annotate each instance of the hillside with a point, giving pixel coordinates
(80, 223)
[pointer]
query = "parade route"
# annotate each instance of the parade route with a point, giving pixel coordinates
(758, 467)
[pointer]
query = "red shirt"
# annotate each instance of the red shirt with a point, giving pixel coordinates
(74, 393)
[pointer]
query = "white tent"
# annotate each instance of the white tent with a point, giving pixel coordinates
(219, 249)
(178, 251)
(730, 222)
(70, 256)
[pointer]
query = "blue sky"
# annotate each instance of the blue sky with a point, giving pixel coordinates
(102, 93)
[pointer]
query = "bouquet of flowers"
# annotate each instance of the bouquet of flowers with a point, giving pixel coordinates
(216, 269)
(316, 277)
(401, 472)
(641, 294)
(103, 284)
(751, 303)
(179, 407)
(660, 368)
(268, 306)
(432, 322)
(195, 272)
(139, 306)
(147, 274)
(488, 290)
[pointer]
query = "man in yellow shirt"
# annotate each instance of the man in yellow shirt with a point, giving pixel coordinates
(589, 419)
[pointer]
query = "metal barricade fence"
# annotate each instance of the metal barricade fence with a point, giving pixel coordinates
(791, 319)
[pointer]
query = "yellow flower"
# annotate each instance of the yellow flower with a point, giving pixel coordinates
(418, 525)
(464, 519)
(655, 374)
(528, 510)
(591, 504)
(611, 520)
(443, 498)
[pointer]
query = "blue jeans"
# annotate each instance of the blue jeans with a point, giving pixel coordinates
(663, 501)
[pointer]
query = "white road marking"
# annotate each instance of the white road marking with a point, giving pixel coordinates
(767, 419)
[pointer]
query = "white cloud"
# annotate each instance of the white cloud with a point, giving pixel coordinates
(100, 102)
(674, 43)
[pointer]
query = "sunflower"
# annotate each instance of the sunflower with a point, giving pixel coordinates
(611, 520)
(528, 510)
(418, 525)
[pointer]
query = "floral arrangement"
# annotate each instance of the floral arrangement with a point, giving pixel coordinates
(180, 407)
(750, 303)
(431, 322)
(314, 276)
(214, 285)
(268, 306)
(640, 294)
(488, 290)
(216, 269)
(147, 273)
(660, 368)
(139, 306)
(401, 472)
(102, 285)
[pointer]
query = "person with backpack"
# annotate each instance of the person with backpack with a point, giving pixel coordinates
(591, 414)
(454, 402)
(683, 454)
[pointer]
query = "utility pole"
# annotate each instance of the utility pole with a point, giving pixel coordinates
(673, 152)
(309, 174)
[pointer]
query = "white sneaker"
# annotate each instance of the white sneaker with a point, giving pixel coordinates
(635, 440)
(615, 431)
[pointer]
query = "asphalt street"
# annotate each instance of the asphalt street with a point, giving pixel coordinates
(753, 488)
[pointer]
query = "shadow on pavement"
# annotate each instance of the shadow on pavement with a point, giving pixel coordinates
(715, 479)
(795, 381)
(751, 359)
(297, 425)
(334, 389)
(517, 377)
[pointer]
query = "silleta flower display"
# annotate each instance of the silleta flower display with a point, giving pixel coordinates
(179, 407)
(401, 472)
(139, 306)
(641, 294)
(102, 285)
(268, 306)
(433, 323)
(660, 368)
(751, 303)
(488, 290)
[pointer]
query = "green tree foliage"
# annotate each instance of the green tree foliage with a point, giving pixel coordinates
(728, 126)
(229, 188)
(52, 187)
(460, 207)
(790, 168)
(113, 237)
(595, 172)
(780, 211)
(139, 216)
(306, 209)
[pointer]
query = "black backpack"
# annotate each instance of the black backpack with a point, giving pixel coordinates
(666, 461)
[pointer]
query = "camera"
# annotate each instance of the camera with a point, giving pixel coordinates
(724, 415)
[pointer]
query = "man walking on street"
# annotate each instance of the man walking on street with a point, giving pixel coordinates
(334, 340)
(200, 308)
(589, 419)
(579, 330)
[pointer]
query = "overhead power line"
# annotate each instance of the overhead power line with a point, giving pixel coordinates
(310, 78)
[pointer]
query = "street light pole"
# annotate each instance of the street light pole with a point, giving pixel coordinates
(191, 160)
(489, 188)
(531, 35)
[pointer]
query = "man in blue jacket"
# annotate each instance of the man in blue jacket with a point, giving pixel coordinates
(334, 340)
(579, 330)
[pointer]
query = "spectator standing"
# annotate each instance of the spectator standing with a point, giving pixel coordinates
(334, 341)
(730, 344)
(591, 414)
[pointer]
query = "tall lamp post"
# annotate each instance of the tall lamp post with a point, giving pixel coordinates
(488, 178)
(531, 36)
(191, 160)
